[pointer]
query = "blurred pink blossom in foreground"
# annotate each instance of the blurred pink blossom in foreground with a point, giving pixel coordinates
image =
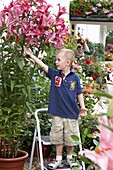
(103, 156)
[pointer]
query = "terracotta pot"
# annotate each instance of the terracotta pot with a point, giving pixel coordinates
(14, 163)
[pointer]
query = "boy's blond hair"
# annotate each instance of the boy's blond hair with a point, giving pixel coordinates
(69, 54)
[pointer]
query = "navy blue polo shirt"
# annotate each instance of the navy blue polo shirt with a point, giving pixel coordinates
(63, 93)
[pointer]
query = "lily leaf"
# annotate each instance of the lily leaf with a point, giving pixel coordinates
(110, 128)
(75, 138)
(12, 85)
(101, 93)
(20, 64)
(110, 110)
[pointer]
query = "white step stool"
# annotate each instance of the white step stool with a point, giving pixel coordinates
(45, 141)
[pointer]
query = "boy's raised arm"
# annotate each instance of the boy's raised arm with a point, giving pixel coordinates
(38, 61)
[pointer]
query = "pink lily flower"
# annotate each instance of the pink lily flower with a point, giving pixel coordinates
(103, 156)
(35, 23)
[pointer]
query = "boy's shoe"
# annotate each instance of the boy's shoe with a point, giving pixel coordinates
(55, 164)
(71, 163)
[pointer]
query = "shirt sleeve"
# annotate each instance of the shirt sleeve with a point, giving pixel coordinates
(50, 73)
(80, 88)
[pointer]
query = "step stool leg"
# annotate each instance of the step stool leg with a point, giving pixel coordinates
(80, 146)
(32, 151)
(40, 146)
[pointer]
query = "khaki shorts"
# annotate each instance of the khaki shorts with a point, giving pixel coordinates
(62, 129)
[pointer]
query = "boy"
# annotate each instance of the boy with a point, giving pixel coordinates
(65, 89)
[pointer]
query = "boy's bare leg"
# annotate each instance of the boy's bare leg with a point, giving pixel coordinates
(59, 149)
(70, 150)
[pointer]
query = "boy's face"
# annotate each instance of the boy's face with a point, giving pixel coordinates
(61, 61)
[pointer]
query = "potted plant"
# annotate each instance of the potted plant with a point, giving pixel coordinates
(23, 22)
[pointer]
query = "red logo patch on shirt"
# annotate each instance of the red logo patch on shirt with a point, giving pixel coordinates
(58, 81)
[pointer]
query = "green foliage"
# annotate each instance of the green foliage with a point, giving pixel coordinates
(16, 86)
(22, 90)
(86, 8)
(88, 126)
(96, 51)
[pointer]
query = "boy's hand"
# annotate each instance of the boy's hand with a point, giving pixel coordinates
(83, 111)
(27, 51)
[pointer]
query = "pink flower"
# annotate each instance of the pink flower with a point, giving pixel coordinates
(110, 15)
(2, 19)
(98, 5)
(103, 156)
(96, 134)
(106, 11)
(28, 123)
(88, 13)
(35, 23)
(62, 10)
(94, 9)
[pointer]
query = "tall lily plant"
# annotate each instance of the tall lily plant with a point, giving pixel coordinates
(30, 23)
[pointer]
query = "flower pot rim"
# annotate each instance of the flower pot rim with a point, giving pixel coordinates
(16, 159)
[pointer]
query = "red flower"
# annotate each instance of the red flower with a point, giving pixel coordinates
(87, 94)
(28, 123)
(17, 40)
(88, 61)
(87, 40)
(94, 76)
(44, 148)
(89, 88)
(76, 13)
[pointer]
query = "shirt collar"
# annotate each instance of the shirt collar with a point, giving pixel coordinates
(71, 71)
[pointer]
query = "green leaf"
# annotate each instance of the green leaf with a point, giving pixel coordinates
(7, 109)
(29, 107)
(84, 159)
(14, 114)
(20, 64)
(24, 91)
(90, 135)
(101, 93)
(12, 85)
(75, 137)
(19, 85)
(110, 110)
(29, 92)
(85, 131)
(110, 128)
(74, 154)
(6, 119)
(95, 142)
